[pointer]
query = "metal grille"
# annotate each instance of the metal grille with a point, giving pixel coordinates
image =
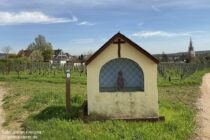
(132, 74)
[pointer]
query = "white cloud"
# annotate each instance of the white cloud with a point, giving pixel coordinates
(156, 4)
(86, 23)
(185, 4)
(86, 3)
(142, 4)
(140, 24)
(147, 34)
(155, 8)
(83, 41)
(11, 18)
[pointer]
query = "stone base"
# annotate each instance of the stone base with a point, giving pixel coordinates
(83, 114)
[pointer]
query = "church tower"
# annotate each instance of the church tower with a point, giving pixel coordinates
(191, 52)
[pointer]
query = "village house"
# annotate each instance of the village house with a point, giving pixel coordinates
(59, 57)
(24, 53)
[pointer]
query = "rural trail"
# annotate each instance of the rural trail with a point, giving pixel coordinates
(2, 92)
(204, 109)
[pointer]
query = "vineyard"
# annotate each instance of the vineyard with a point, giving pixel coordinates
(166, 71)
(179, 71)
(20, 66)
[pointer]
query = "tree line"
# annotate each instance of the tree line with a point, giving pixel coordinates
(39, 50)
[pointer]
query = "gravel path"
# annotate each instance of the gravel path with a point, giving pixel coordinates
(204, 110)
(2, 92)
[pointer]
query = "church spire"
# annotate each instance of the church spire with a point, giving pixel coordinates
(191, 52)
(191, 45)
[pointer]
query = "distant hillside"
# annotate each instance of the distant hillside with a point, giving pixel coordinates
(184, 53)
(202, 52)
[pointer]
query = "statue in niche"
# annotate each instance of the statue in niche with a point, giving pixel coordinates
(120, 81)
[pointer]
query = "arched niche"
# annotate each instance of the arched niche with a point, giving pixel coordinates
(121, 74)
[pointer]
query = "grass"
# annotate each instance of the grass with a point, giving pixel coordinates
(37, 102)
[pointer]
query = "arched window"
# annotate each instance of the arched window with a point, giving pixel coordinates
(121, 74)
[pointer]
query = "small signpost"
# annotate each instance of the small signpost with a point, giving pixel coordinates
(68, 91)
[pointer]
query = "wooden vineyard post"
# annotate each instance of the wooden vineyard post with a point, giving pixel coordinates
(68, 91)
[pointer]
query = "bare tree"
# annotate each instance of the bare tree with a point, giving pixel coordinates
(6, 50)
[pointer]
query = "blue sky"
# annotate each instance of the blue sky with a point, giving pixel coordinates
(79, 26)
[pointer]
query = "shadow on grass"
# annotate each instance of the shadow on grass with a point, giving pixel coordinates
(58, 112)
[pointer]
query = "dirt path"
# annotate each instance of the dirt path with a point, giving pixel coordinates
(2, 92)
(204, 109)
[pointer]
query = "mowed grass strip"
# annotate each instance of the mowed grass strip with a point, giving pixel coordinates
(38, 103)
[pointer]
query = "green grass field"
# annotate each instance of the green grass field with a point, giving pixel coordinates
(37, 103)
